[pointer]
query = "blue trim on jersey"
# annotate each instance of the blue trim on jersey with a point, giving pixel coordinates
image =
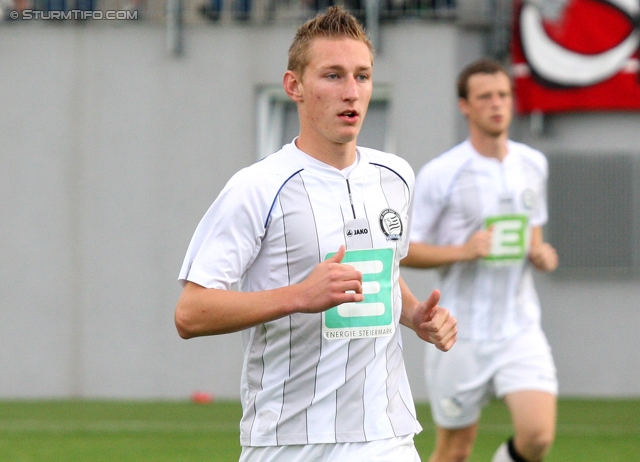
(273, 204)
(392, 170)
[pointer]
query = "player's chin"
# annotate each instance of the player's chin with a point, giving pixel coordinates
(347, 134)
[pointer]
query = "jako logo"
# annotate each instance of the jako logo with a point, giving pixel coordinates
(357, 231)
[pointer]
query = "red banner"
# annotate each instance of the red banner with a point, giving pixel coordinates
(576, 55)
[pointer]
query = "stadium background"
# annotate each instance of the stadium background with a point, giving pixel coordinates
(113, 145)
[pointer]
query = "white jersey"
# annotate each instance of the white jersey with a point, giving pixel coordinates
(461, 192)
(332, 377)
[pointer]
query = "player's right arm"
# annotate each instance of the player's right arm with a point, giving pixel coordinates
(423, 255)
(430, 204)
(203, 311)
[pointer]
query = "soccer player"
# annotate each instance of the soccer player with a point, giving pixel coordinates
(478, 214)
(313, 234)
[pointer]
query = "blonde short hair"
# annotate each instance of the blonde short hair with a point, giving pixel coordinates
(336, 22)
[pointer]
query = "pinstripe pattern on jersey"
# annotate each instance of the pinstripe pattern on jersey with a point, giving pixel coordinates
(392, 170)
(350, 405)
(305, 344)
(280, 218)
(297, 335)
(273, 204)
(400, 405)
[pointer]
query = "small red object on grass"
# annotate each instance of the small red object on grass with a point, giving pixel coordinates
(201, 397)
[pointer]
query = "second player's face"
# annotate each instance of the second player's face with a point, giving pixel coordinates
(336, 88)
(489, 103)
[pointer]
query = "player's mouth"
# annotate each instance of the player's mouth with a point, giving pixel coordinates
(349, 115)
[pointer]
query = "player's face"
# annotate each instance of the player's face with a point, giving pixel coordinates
(335, 90)
(489, 103)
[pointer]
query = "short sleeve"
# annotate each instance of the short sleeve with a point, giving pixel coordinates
(427, 205)
(228, 237)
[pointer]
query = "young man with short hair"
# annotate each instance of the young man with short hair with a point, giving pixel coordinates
(478, 214)
(313, 235)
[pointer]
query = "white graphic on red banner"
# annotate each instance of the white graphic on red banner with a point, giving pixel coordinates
(576, 55)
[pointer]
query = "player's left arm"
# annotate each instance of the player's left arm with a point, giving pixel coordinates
(431, 322)
(542, 254)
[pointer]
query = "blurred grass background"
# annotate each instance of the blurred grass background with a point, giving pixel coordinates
(595, 430)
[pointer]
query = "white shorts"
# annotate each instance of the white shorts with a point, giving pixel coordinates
(400, 449)
(461, 381)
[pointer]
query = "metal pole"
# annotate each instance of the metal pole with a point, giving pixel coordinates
(174, 27)
(372, 20)
(500, 28)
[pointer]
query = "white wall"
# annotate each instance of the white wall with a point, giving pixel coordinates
(591, 321)
(111, 152)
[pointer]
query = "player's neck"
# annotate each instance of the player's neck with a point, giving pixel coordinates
(338, 155)
(490, 146)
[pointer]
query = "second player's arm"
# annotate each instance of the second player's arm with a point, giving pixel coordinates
(423, 255)
(542, 255)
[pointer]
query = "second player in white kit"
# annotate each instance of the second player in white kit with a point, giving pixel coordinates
(479, 210)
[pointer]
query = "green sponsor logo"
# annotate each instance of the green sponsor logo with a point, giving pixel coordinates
(376, 266)
(508, 238)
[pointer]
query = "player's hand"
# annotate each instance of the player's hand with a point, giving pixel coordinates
(330, 284)
(478, 245)
(543, 257)
(434, 323)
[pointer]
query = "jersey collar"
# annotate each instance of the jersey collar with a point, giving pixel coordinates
(309, 163)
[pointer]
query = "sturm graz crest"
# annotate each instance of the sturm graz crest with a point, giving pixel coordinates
(529, 199)
(391, 224)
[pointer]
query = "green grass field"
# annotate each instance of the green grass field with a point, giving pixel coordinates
(123, 431)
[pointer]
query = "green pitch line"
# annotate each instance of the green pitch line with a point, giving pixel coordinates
(587, 431)
(96, 431)
(35, 426)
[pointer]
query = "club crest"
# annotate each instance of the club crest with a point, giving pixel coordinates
(391, 224)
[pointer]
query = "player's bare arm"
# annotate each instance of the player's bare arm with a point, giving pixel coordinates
(422, 255)
(542, 254)
(202, 311)
(431, 322)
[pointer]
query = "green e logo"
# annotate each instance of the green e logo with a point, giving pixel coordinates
(509, 237)
(376, 310)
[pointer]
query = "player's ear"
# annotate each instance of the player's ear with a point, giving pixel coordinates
(292, 86)
(463, 106)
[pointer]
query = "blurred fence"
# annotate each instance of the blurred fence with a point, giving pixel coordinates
(217, 11)
(494, 15)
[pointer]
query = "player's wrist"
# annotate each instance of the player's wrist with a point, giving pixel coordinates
(293, 300)
(467, 253)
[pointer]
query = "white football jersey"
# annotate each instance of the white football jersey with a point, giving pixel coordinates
(461, 192)
(337, 376)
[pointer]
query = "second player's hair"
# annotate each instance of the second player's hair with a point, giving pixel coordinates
(336, 22)
(481, 66)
